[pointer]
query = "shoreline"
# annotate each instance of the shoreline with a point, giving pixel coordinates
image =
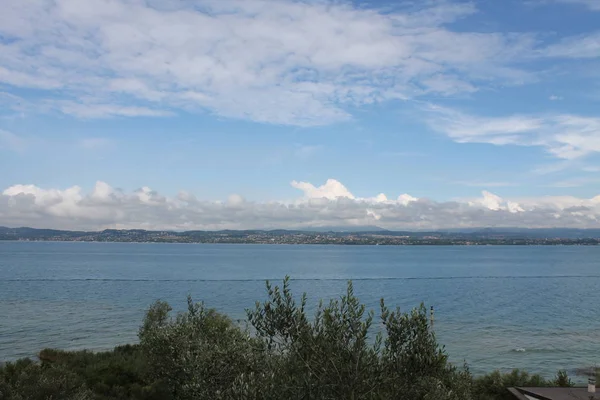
(527, 242)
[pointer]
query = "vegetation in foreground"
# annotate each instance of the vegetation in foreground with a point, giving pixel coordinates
(201, 354)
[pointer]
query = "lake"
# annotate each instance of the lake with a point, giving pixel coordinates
(497, 307)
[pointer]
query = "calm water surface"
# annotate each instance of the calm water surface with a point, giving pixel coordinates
(496, 307)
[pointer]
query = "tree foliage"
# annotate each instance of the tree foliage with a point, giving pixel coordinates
(332, 357)
(493, 385)
(117, 374)
(197, 355)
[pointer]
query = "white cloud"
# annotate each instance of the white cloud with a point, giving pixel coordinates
(332, 189)
(489, 201)
(555, 97)
(102, 192)
(235, 200)
(406, 199)
(59, 203)
(283, 62)
(326, 205)
(575, 182)
(18, 78)
(555, 167)
(97, 110)
(581, 47)
(564, 136)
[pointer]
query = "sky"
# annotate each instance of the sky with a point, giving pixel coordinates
(236, 114)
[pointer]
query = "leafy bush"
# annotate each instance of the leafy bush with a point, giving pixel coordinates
(117, 374)
(562, 379)
(27, 380)
(332, 356)
(493, 386)
(198, 354)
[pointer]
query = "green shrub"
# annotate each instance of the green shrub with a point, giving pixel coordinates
(117, 374)
(27, 380)
(562, 379)
(493, 386)
(197, 355)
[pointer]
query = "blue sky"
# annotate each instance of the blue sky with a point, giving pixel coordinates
(486, 111)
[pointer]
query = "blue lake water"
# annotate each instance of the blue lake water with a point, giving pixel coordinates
(496, 307)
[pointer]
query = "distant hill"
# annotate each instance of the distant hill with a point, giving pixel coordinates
(25, 233)
(359, 228)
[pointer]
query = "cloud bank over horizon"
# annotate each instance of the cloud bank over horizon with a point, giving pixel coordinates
(331, 204)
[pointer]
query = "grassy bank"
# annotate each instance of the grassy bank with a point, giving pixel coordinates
(201, 354)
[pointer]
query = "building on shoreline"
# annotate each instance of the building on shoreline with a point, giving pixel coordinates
(549, 393)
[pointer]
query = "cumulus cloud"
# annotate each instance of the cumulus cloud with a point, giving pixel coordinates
(332, 189)
(283, 62)
(406, 199)
(565, 136)
(326, 205)
(494, 202)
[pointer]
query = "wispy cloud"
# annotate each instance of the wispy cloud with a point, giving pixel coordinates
(98, 110)
(564, 136)
(240, 58)
(574, 182)
(555, 97)
(12, 142)
(555, 167)
(12, 106)
(591, 4)
(585, 46)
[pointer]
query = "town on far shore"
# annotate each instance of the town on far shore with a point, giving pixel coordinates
(322, 235)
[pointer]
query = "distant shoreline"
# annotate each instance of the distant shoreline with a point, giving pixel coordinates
(375, 236)
(559, 242)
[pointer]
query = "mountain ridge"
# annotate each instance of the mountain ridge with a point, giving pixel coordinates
(538, 233)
